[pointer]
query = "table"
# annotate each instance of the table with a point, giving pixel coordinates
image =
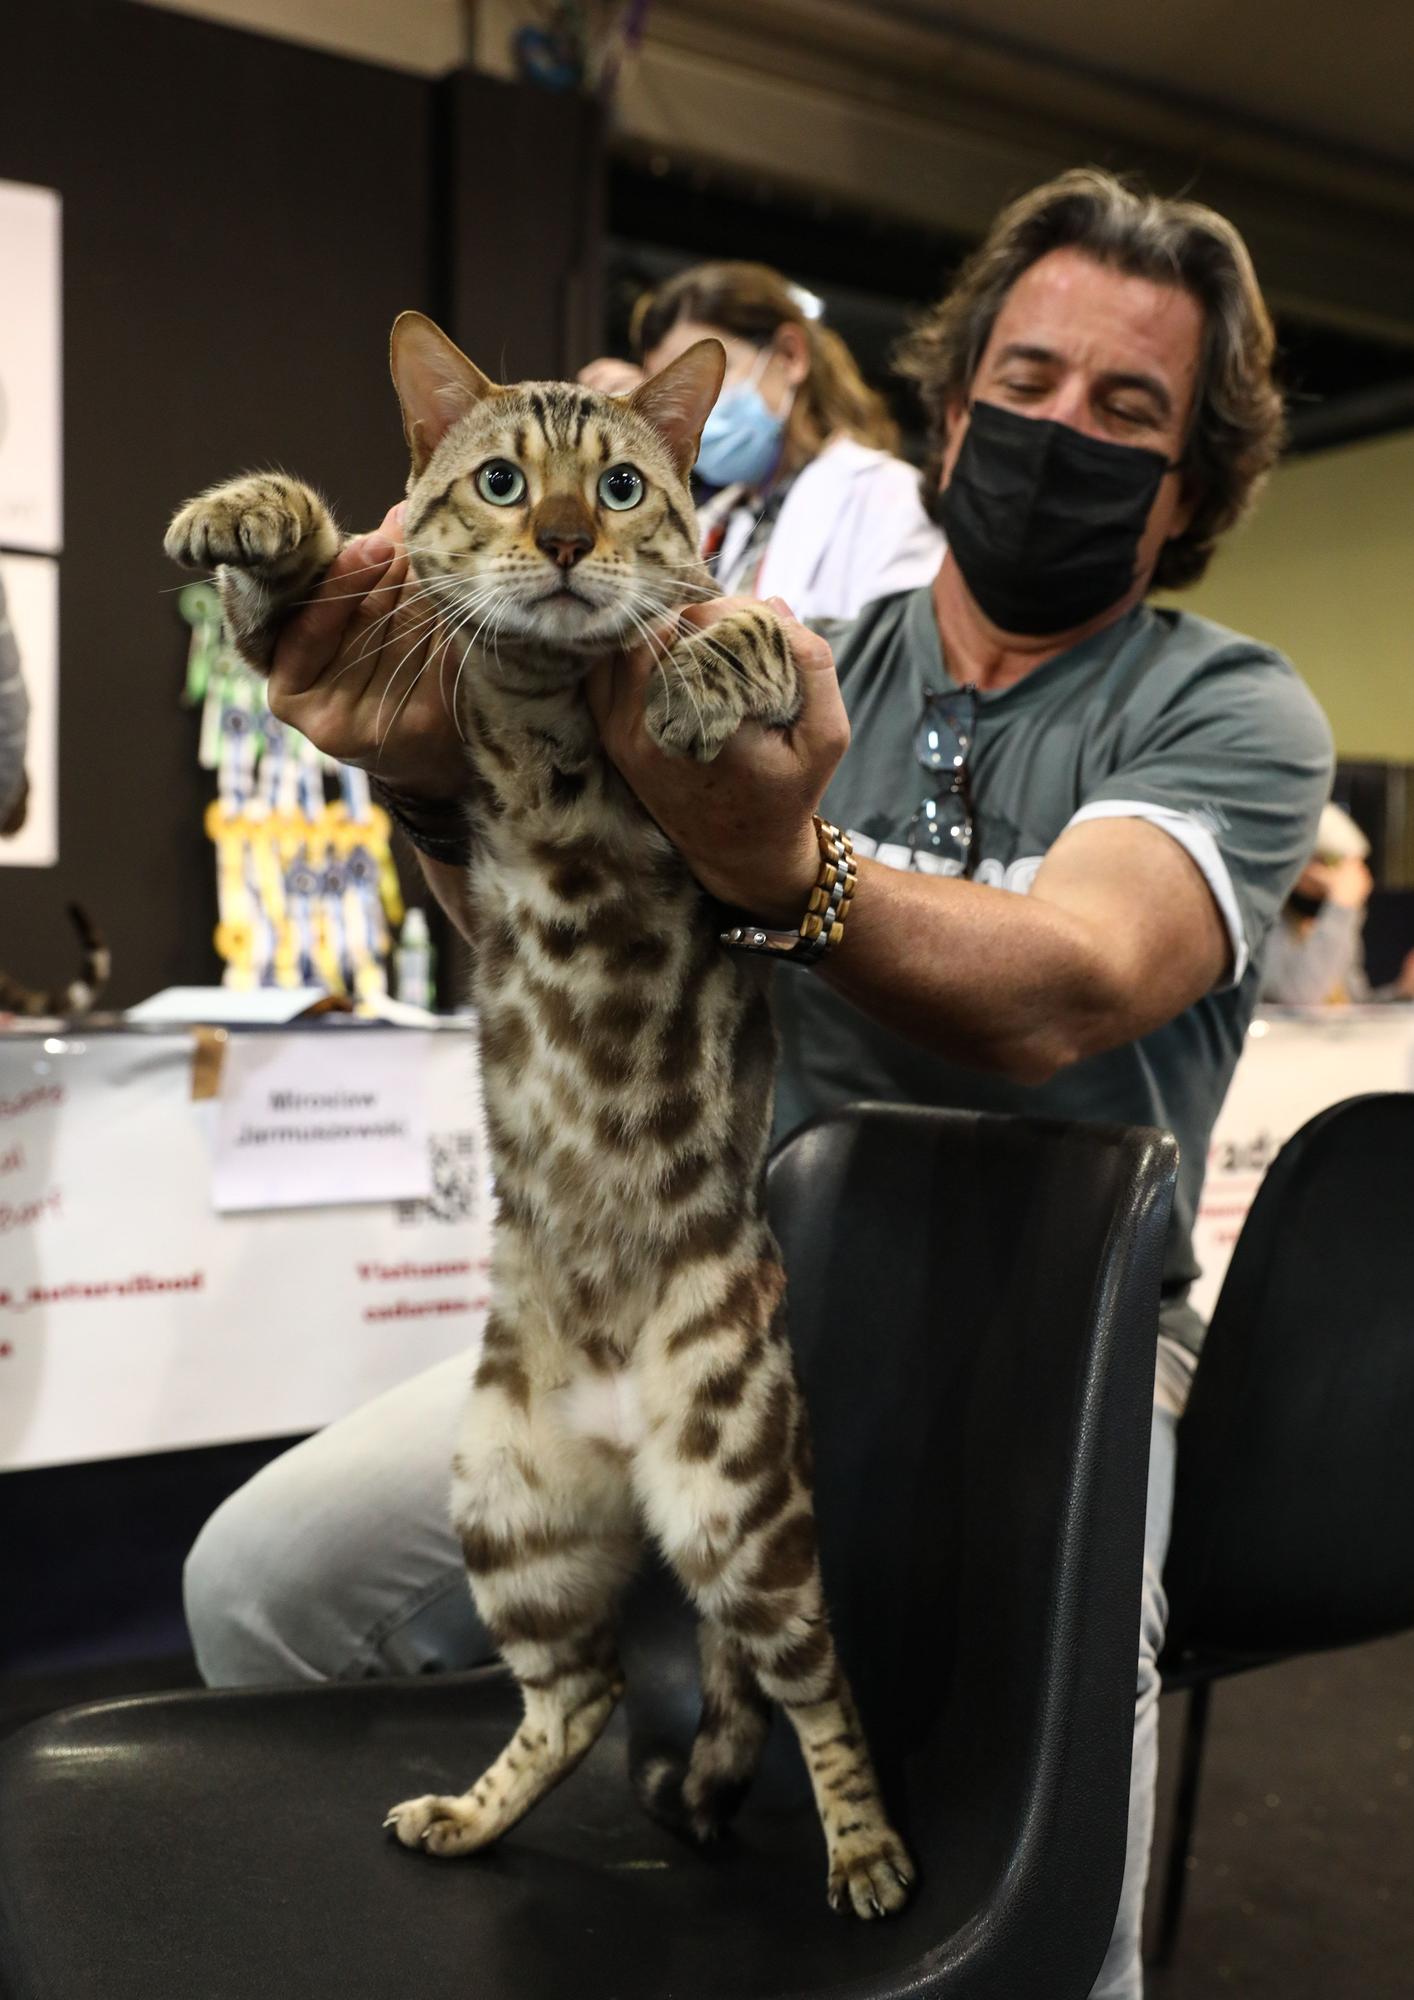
(134, 1318)
(1296, 1063)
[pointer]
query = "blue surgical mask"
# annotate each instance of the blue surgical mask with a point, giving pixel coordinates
(742, 438)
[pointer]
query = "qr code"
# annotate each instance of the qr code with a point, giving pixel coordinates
(456, 1181)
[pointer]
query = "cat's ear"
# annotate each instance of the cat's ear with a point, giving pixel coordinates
(678, 399)
(436, 384)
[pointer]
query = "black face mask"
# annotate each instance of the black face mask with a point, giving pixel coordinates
(1044, 522)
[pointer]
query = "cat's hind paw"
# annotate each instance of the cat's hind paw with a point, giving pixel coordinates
(870, 1876)
(442, 1826)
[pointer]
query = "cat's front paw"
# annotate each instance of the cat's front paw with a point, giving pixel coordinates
(715, 679)
(690, 714)
(263, 522)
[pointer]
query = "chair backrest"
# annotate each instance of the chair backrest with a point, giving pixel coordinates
(973, 1304)
(1294, 1502)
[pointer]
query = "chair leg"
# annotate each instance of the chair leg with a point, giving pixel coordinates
(1185, 1810)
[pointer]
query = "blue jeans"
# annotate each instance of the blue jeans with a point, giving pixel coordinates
(338, 1562)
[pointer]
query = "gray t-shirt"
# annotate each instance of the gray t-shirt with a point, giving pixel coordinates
(1163, 717)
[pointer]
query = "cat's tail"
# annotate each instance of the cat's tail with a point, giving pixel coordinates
(698, 1794)
(78, 997)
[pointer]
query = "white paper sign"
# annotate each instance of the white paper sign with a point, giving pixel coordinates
(310, 1120)
(133, 1318)
(30, 369)
(32, 607)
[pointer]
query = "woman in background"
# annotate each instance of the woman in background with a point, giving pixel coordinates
(807, 500)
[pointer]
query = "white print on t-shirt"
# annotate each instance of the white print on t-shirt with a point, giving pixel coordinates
(1016, 875)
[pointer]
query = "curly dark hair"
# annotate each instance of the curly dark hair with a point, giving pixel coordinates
(1238, 426)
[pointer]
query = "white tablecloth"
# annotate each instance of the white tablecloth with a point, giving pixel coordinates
(134, 1318)
(1294, 1065)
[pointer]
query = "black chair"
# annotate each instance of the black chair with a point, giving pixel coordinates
(974, 1305)
(1293, 1525)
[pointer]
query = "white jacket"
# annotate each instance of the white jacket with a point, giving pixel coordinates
(851, 528)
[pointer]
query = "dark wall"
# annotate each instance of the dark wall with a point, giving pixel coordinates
(523, 189)
(242, 221)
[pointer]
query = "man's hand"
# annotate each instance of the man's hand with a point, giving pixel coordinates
(743, 822)
(610, 377)
(363, 671)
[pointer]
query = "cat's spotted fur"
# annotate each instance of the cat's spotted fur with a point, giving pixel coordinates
(636, 1377)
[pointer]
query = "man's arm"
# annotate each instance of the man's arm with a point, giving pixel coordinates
(1119, 933)
(360, 673)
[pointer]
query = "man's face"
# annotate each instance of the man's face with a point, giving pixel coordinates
(1113, 356)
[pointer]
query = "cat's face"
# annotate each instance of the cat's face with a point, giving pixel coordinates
(546, 513)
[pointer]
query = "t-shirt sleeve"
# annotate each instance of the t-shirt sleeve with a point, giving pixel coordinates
(1235, 768)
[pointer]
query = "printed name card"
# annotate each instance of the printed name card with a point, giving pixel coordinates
(314, 1120)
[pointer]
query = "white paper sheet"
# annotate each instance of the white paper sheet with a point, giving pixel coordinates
(317, 1120)
(30, 371)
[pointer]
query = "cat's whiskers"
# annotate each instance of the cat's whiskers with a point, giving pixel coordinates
(472, 605)
(392, 678)
(377, 636)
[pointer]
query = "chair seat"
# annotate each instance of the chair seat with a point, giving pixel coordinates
(226, 1828)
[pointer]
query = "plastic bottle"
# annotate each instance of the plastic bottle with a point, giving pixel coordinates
(414, 961)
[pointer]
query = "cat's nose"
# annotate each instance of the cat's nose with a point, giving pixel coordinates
(566, 550)
(563, 530)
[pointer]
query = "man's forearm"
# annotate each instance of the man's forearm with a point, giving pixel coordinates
(1003, 982)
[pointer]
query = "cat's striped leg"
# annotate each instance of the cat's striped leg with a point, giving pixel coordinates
(698, 1797)
(548, 1527)
(723, 1475)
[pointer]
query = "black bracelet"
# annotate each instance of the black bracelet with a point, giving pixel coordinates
(436, 827)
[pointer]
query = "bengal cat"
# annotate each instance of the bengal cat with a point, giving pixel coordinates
(636, 1376)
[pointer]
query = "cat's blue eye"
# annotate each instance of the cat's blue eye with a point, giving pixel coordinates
(500, 482)
(621, 487)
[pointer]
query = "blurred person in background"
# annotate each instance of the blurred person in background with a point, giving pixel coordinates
(808, 500)
(1077, 816)
(1316, 955)
(14, 729)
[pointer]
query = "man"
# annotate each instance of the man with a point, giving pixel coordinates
(1078, 817)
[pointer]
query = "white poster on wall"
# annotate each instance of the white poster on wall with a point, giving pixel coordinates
(31, 585)
(30, 369)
